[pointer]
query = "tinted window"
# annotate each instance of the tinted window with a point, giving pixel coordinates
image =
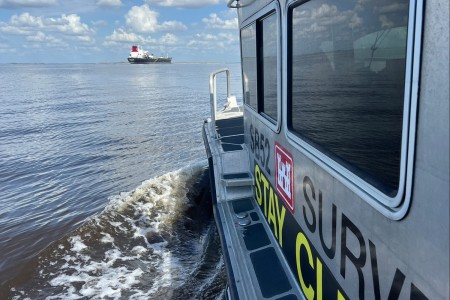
(268, 58)
(248, 50)
(347, 83)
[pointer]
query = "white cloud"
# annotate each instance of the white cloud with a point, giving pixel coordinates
(143, 19)
(213, 41)
(38, 37)
(26, 23)
(86, 39)
(26, 20)
(215, 22)
(69, 24)
(168, 39)
(36, 29)
(391, 8)
(26, 3)
(49, 40)
(102, 23)
(13, 30)
(109, 3)
(121, 36)
(172, 26)
(183, 3)
(321, 18)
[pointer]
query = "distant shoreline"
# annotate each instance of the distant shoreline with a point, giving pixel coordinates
(112, 63)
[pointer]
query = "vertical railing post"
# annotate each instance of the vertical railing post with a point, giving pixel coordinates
(213, 93)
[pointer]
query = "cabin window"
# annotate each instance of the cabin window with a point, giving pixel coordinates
(268, 66)
(248, 50)
(347, 81)
(259, 48)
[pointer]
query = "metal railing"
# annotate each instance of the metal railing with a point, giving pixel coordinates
(213, 92)
(232, 4)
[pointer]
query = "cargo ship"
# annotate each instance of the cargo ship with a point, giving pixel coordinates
(140, 56)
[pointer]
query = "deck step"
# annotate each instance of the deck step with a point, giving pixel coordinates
(237, 192)
(237, 179)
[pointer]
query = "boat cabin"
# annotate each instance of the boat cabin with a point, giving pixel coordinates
(331, 180)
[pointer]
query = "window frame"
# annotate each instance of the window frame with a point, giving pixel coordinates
(397, 206)
(271, 9)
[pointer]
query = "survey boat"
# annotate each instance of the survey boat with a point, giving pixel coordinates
(331, 180)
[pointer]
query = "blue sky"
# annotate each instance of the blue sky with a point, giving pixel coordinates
(96, 31)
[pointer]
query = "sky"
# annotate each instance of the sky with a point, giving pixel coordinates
(99, 31)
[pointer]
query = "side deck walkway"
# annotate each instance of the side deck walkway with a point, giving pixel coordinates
(255, 267)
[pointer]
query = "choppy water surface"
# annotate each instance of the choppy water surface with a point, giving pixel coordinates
(103, 188)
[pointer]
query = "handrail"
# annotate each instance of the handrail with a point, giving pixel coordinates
(231, 2)
(213, 92)
(238, 5)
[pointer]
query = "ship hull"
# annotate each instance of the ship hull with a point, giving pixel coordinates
(132, 60)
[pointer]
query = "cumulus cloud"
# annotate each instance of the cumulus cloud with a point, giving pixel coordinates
(36, 29)
(100, 23)
(121, 36)
(48, 40)
(109, 3)
(320, 18)
(391, 7)
(26, 20)
(12, 30)
(69, 24)
(38, 37)
(27, 23)
(183, 3)
(215, 22)
(12, 4)
(168, 39)
(143, 19)
(213, 41)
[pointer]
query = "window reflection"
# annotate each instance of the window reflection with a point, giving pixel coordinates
(348, 79)
(248, 50)
(269, 64)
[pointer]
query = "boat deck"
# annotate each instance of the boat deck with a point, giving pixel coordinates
(256, 269)
(231, 133)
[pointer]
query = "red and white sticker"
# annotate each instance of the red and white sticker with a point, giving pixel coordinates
(284, 176)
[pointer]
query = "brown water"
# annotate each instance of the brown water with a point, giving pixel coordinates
(103, 191)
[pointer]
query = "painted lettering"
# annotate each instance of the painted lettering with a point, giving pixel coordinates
(358, 261)
(375, 277)
(397, 284)
(270, 204)
(281, 214)
(301, 241)
(308, 185)
(257, 144)
(417, 294)
(252, 142)
(356, 255)
(271, 214)
(266, 189)
(260, 147)
(319, 275)
(267, 145)
(329, 251)
(356, 252)
(258, 186)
